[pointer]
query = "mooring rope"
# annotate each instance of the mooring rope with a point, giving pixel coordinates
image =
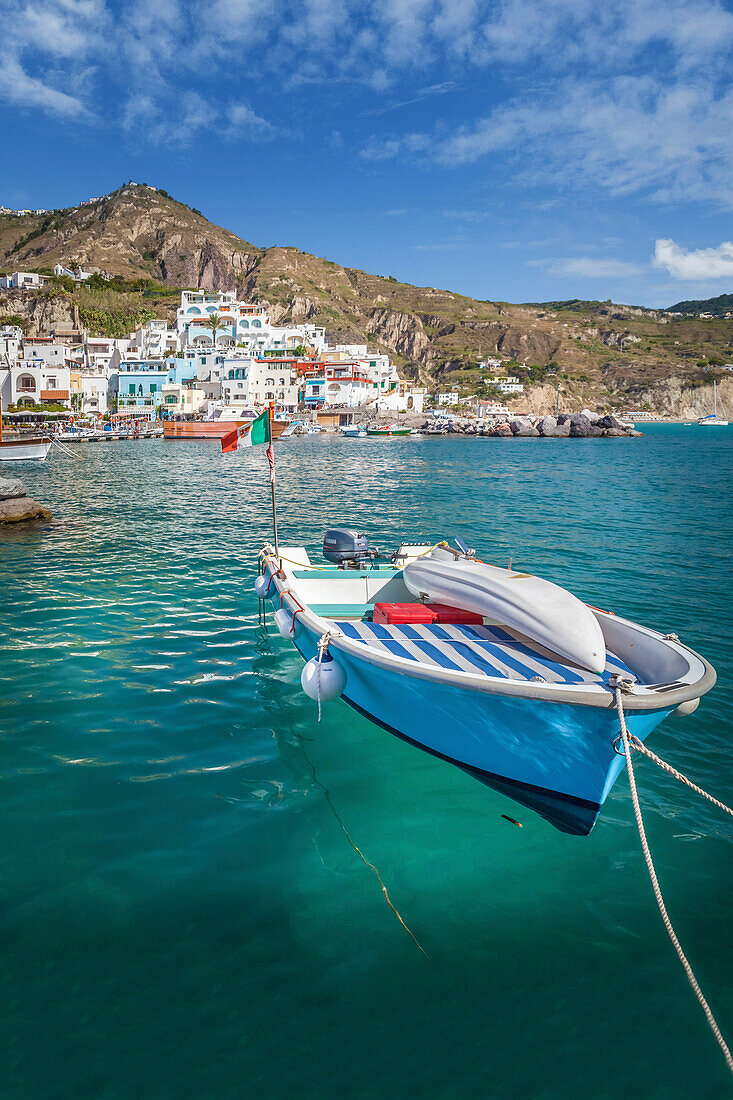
(620, 685)
(641, 747)
(361, 855)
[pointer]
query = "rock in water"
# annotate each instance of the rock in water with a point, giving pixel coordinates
(590, 415)
(579, 426)
(609, 422)
(11, 487)
(20, 509)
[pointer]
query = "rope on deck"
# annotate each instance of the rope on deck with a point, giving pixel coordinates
(621, 685)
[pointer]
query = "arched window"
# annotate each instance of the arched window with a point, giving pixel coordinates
(193, 309)
(269, 396)
(269, 381)
(243, 323)
(256, 324)
(26, 382)
(282, 381)
(211, 309)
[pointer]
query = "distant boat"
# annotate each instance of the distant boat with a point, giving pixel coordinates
(389, 430)
(712, 420)
(230, 419)
(354, 432)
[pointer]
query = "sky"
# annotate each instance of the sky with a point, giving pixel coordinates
(514, 150)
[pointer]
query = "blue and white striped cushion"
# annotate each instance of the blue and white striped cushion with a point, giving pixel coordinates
(487, 650)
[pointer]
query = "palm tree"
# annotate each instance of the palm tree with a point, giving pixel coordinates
(214, 322)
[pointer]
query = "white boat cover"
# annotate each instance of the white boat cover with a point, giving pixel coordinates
(534, 607)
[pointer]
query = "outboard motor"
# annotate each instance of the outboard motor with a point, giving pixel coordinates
(345, 546)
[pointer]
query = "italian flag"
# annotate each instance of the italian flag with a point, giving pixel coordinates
(248, 435)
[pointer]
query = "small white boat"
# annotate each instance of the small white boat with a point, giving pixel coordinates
(354, 432)
(712, 420)
(18, 450)
(505, 675)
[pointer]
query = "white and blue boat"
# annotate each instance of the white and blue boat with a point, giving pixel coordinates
(502, 673)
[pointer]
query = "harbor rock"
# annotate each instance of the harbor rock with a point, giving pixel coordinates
(609, 422)
(20, 509)
(12, 487)
(579, 426)
(547, 425)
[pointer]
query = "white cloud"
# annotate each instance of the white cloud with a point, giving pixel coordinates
(17, 86)
(241, 114)
(587, 267)
(630, 135)
(700, 264)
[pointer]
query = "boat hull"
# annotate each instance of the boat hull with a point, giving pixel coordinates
(555, 758)
(212, 429)
(18, 450)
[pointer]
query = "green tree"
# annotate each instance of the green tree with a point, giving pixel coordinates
(214, 322)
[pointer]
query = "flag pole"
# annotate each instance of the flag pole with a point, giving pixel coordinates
(271, 460)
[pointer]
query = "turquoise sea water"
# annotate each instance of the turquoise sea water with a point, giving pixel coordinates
(181, 913)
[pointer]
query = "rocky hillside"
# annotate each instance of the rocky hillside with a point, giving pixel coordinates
(601, 354)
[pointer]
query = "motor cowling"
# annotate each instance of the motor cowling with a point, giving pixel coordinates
(345, 544)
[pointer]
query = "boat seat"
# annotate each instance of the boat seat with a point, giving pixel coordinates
(490, 650)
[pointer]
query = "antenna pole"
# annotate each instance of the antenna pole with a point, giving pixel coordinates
(271, 460)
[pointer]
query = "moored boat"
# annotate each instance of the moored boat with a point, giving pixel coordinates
(24, 447)
(214, 429)
(506, 680)
(712, 420)
(389, 430)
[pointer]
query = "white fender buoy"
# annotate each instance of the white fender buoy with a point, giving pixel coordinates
(263, 586)
(284, 622)
(686, 708)
(332, 676)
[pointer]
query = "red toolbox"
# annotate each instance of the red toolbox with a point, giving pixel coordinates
(403, 613)
(455, 615)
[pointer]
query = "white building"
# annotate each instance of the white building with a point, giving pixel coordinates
(33, 382)
(508, 384)
(450, 398)
(79, 276)
(259, 381)
(10, 341)
(101, 354)
(45, 348)
(240, 324)
(178, 399)
(22, 280)
(154, 339)
(94, 394)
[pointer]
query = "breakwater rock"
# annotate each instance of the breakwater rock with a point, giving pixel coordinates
(15, 504)
(583, 425)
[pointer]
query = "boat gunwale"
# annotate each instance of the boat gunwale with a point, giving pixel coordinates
(643, 697)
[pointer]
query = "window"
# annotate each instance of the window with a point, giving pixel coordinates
(131, 388)
(282, 381)
(153, 387)
(269, 381)
(51, 383)
(269, 397)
